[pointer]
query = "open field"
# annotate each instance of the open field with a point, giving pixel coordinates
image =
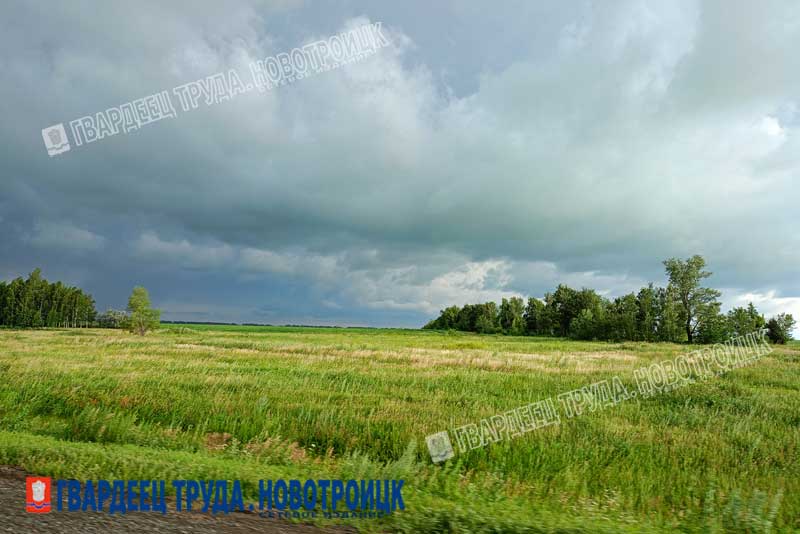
(253, 402)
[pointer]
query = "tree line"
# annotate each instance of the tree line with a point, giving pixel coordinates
(35, 303)
(683, 311)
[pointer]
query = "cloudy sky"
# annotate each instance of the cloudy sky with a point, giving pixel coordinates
(486, 152)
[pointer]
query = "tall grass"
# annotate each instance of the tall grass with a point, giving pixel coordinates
(720, 455)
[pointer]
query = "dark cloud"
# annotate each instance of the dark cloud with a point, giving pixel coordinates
(478, 156)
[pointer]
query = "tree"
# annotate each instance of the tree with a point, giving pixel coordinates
(779, 328)
(622, 318)
(560, 306)
(587, 325)
(486, 318)
(713, 327)
(548, 319)
(142, 317)
(694, 301)
(511, 311)
(647, 314)
(742, 321)
(669, 328)
(467, 317)
(757, 321)
(534, 316)
(448, 319)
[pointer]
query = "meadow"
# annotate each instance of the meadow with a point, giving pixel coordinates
(249, 403)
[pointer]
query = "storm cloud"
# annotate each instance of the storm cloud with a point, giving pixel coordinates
(480, 155)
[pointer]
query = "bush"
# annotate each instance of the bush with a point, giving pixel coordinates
(112, 319)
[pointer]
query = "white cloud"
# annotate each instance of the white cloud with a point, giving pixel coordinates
(770, 304)
(772, 127)
(302, 263)
(65, 236)
(399, 289)
(182, 253)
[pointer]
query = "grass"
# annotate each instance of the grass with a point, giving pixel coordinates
(195, 401)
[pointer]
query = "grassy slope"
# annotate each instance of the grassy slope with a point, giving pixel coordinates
(250, 403)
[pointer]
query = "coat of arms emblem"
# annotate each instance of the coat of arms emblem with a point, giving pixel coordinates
(55, 139)
(37, 495)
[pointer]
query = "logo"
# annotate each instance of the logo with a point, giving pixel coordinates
(37, 495)
(439, 446)
(55, 139)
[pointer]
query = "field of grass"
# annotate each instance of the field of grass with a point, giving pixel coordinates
(248, 403)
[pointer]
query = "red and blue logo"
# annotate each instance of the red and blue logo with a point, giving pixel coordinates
(37, 495)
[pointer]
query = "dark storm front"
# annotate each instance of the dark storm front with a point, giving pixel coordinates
(288, 498)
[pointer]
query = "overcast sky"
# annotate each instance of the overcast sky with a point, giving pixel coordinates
(491, 150)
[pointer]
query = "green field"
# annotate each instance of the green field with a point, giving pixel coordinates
(260, 402)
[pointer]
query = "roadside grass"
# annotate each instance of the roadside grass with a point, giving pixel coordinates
(194, 401)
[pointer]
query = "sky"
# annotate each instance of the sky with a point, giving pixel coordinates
(487, 152)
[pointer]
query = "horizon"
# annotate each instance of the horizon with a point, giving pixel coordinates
(212, 321)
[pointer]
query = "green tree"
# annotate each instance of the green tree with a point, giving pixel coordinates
(669, 328)
(486, 318)
(142, 317)
(467, 317)
(560, 306)
(742, 321)
(8, 303)
(713, 327)
(588, 325)
(622, 318)
(779, 328)
(448, 319)
(511, 312)
(694, 301)
(647, 314)
(534, 316)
